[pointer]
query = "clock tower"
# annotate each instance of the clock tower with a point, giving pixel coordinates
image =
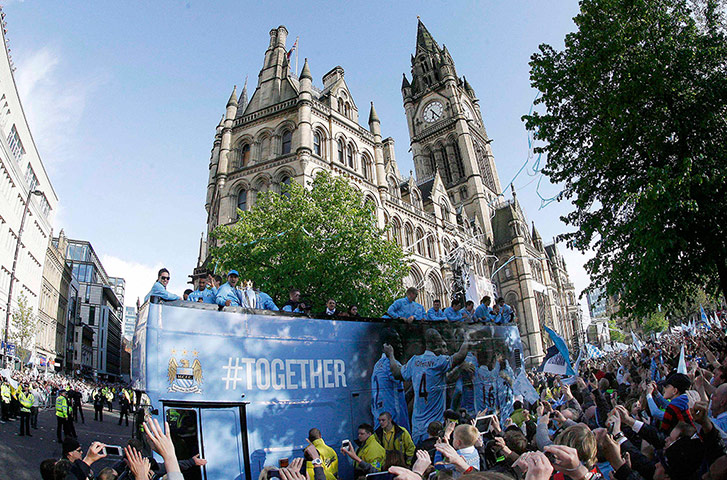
(447, 133)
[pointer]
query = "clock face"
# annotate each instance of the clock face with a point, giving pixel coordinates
(469, 115)
(433, 112)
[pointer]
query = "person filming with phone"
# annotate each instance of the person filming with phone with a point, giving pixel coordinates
(369, 457)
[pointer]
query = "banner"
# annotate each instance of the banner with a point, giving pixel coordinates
(562, 348)
(594, 351)
(294, 373)
(637, 344)
(523, 387)
(553, 362)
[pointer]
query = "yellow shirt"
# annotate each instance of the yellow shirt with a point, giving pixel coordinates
(329, 459)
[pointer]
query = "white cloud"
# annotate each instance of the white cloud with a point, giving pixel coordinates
(53, 101)
(139, 277)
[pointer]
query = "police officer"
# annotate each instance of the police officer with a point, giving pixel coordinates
(98, 401)
(5, 397)
(63, 417)
(125, 406)
(26, 403)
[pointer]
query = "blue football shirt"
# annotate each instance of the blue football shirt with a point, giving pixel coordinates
(387, 394)
(427, 372)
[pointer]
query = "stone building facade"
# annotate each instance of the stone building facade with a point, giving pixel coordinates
(450, 215)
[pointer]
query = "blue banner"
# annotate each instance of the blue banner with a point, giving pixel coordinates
(294, 373)
(562, 348)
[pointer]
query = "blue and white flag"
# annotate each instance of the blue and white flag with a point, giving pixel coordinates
(703, 316)
(716, 321)
(522, 386)
(594, 351)
(562, 348)
(682, 368)
(638, 344)
(553, 362)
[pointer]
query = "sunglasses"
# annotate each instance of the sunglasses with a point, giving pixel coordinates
(165, 278)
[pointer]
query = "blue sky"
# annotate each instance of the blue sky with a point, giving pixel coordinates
(123, 99)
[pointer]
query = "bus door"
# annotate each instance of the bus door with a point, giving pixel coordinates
(217, 433)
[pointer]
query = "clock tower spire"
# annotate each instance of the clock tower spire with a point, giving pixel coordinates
(446, 130)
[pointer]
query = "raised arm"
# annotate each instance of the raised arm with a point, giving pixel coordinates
(393, 362)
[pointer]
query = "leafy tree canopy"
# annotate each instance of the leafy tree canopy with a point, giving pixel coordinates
(634, 128)
(22, 330)
(323, 240)
(655, 323)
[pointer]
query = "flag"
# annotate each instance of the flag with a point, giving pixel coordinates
(594, 351)
(553, 362)
(522, 386)
(562, 348)
(638, 344)
(578, 361)
(295, 45)
(716, 321)
(703, 315)
(682, 368)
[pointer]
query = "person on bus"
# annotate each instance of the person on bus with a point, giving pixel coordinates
(202, 294)
(506, 312)
(369, 456)
(228, 295)
(159, 289)
(328, 456)
(436, 314)
(331, 310)
(406, 308)
(387, 392)
(454, 312)
(294, 305)
(266, 302)
(428, 374)
(482, 312)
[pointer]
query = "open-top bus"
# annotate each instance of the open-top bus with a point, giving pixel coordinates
(243, 387)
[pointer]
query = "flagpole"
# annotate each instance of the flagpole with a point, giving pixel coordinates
(297, 47)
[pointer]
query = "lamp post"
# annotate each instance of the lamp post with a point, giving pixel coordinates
(12, 272)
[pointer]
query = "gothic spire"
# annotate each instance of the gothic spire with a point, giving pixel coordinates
(305, 73)
(372, 115)
(425, 41)
(242, 102)
(233, 97)
(405, 82)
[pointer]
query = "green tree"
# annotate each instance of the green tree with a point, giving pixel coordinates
(323, 240)
(616, 334)
(634, 130)
(22, 331)
(655, 323)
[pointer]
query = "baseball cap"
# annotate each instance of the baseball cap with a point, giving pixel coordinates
(679, 381)
(233, 272)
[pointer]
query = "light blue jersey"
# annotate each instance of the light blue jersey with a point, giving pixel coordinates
(428, 374)
(207, 296)
(482, 312)
(267, 302)
(453, 315)
(405, 308)
(488, 382)
(228, 292)
(158, 290)
(436, 315)
(505, 395)
(471, 388)
(506, 313)
(387, 394)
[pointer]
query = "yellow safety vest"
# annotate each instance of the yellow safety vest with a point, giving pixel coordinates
(26, 401)
(5, 393)
(61, 407)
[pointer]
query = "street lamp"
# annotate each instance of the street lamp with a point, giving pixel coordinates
(12, 272)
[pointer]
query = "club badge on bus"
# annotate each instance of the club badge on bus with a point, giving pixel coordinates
(183, 377)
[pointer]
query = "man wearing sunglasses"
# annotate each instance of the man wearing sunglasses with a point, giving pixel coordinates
(160, 287)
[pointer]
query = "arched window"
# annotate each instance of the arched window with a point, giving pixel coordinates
(416, 199)
(341, 107)
(284, 183)
(242, 200)
(243, 156)
(396, 230)
(348, 110)
(349, 156)
(420, 242)
(317, 143)
(430, 246)
(458, 159)
(340, 151)
(408, 236)
(366, 166)
(287, 139)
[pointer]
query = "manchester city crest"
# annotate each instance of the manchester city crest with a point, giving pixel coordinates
(183, 377)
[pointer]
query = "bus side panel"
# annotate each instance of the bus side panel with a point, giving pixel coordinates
(222, 443)
(139, 352)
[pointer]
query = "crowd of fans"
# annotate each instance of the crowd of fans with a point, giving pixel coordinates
(211, 290)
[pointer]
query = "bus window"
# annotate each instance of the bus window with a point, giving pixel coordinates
(185, 436)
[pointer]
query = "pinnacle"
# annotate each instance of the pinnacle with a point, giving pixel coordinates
(233, 97)
(305, 73)
(373, 117)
